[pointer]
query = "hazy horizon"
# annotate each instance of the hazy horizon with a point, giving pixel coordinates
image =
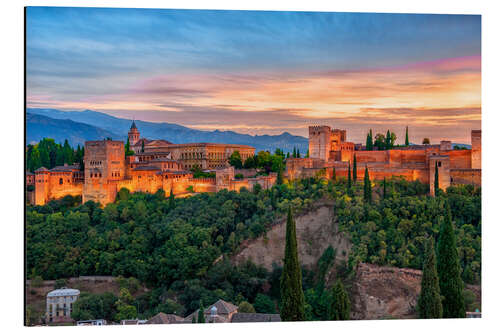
(259, 72)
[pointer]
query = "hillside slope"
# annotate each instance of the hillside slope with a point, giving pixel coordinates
(383, 292)
(315, 232)
(378, 292)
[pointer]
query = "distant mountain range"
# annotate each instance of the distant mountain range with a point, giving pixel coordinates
(39, 127)
(80, 126)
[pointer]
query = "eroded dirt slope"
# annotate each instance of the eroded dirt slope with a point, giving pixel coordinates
(315, 232)
(381, 292)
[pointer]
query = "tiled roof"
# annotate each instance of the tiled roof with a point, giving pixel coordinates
(139, 142)
(178, 172)
(151, 142)
(212, 144)
(133, 125)
(146, 168)
(255, 317)
(64, 292)
(162, 318)
(148, 153)
(41, 169)
(162, 159)
(223, 308)
(66, 168)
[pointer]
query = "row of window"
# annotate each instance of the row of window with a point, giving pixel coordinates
(173, 176)
(61, 181)
(95, 163)
(220, 156)
(211, 166)
(95, 175)
(58, 299)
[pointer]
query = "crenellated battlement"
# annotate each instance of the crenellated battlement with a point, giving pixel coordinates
(319, 128)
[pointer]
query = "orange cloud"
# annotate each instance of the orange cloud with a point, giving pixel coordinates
(436, 93)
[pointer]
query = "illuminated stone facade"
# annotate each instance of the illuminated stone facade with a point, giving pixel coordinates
(156, 165)
(329, 150)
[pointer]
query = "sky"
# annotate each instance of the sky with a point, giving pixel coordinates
(261, 72)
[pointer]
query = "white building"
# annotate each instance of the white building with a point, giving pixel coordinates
(60, 304)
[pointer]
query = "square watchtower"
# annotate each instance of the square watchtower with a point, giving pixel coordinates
(104, 164)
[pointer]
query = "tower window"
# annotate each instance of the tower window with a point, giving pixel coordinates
(60, 181)
(439, 164)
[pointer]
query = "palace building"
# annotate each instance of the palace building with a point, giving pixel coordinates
(162, 165)
(155, 165)
(329, 150)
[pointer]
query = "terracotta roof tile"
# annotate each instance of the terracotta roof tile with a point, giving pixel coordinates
(162, 318)
(255, 317)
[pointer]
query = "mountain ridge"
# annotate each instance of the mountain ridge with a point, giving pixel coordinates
(39, 127)
(176, 133)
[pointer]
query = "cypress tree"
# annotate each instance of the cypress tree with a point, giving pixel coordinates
(369, 140)
(292, 296)
(279, 177)
(35, 159)
(334, 175)
(128, 152)
(201, 315)
(82, 164)
(60, 156)
(407, 141)
(349, 176)
(429, 302)
(340, 307)
(307, 154)
(298, 153)
(171, 200)
(448, 266)
(354, 170)
(385, 189)
(288, 155)
(436, 179)
(294, 154)
(142, 147)
(388, 143)
(368, 187)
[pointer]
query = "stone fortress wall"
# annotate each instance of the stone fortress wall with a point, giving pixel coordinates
(162, 166)
(156, 165)
(329, 150)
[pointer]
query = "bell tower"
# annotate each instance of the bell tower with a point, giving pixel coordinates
(133, 134)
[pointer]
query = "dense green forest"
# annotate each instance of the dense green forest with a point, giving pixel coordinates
(171, 245)
(47, 153)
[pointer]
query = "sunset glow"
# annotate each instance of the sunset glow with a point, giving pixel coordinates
(261, 72)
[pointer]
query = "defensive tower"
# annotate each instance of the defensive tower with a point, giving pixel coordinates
(319, 142)
(133, 134)
(476, 149)
(104, 165)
